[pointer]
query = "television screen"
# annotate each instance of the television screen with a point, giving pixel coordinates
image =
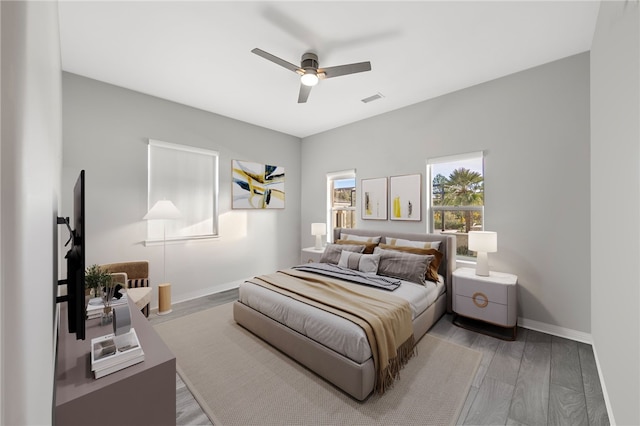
(76, 309)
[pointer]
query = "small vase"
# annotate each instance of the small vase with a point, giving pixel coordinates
(107, 315)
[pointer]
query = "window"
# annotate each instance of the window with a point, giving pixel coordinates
(456, 200)
(187, 176)
(341, 197)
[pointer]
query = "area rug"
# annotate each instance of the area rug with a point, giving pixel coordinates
(238, 379)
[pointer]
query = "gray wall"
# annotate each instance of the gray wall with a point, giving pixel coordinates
(105, 132)
(615, 205)
(534, 129)
(30, 160)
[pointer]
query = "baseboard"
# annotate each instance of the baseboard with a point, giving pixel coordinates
(555, 330)
(603, 385)
(206, 292)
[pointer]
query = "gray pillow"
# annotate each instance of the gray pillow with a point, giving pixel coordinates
(402, 265)
(332, 252)
(360, 262)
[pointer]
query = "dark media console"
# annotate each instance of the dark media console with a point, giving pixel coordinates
(142, 394)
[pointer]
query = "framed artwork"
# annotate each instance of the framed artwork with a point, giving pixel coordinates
(406, 201)
(374, 198)
(257, 186)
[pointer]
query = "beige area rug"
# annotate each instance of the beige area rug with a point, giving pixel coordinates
(239, 379)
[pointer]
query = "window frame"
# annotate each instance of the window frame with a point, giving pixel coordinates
(152, 226)
(331, 177)
(431, 209)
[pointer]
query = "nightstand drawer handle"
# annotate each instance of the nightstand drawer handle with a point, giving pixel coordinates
(483, 302)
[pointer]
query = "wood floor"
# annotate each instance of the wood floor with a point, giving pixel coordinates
(538, 379)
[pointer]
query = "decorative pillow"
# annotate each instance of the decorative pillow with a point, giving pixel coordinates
(332, 252)
(409, 243)
(138, 282)
(368, 247)
(403, 265)
(351, 237)
(360, 262)
(432, 271)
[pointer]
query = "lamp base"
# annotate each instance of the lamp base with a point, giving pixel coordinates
(482, 264)
(318, 242)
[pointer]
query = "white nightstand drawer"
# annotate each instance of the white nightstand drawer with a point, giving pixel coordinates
(491, 299)
(470, 286)
(480, 308)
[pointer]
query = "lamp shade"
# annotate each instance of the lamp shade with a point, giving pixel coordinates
(163, 209)
(318, 229)
(483, 241)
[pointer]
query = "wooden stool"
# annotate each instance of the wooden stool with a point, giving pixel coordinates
(164, 299)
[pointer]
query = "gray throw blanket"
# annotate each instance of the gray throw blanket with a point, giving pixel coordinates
(351, 275)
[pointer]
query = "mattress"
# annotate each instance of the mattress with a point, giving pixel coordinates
(332, 331)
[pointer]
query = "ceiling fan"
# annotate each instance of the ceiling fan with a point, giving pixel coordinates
(309, 71)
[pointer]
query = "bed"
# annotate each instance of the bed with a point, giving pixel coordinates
(331, 346)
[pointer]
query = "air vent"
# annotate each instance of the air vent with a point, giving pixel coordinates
(373, 98)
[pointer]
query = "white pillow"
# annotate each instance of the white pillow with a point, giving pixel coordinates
(360, 262)
(351, 237)
(417, 244)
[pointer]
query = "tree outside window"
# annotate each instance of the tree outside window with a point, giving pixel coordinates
(342, 200)
(457, 197)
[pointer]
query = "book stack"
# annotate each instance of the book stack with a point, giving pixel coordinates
(95, 307)
(112, 353)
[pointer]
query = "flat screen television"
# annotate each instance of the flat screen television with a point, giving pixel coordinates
(76, 309)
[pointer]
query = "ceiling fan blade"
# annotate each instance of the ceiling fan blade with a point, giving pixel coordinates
(304, 93)
(277, 60)
(344, 69)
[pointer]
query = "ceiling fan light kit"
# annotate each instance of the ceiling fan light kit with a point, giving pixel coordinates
(309, 78)
(309, 71)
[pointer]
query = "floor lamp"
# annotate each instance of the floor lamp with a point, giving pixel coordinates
(163, 210)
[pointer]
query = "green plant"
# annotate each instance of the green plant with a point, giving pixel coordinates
(463, 251)
(96, 278)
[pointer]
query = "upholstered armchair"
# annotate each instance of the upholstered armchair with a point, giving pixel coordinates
(133, 276)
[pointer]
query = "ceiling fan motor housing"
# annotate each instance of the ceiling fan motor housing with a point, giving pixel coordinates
(309, 60)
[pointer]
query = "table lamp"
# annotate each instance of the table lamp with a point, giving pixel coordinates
(318, 229)
(483, 242)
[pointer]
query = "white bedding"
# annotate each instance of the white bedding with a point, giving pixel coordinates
(328, 329)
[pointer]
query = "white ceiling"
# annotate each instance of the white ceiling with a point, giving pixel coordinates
(199, 53)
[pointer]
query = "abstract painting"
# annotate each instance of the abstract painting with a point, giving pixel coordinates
(257, 186)
(374, 198)
(406, 201)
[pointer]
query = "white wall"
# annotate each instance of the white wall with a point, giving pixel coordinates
(534, 129)
(615, 205)
(105, 132)
(30, 178)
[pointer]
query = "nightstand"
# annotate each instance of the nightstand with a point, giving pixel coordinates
(486, 304)
(311, 254)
